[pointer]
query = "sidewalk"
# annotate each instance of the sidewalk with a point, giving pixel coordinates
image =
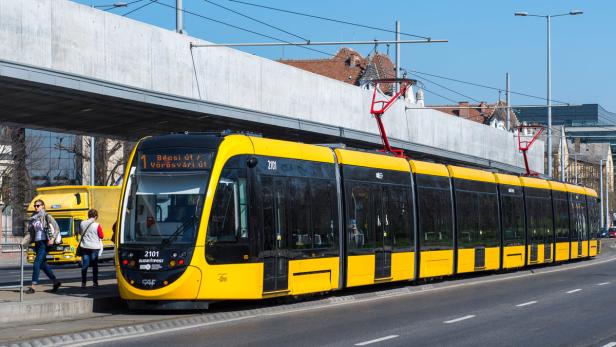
(69, 301)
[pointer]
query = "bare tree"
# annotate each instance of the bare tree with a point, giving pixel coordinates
(16, 188)
(110, 157)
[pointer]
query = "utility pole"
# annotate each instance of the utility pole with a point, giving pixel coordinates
(563, 145)
(507, 100)
(179, 17)
(397, 54)
(601, 190)
(607, 196)
(92, 162)
(549, 102)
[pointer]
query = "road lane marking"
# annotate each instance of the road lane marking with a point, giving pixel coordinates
(376, 340)
(611, 344)
(603, 283)
(459, 319)
(573, 291)
(526, 303)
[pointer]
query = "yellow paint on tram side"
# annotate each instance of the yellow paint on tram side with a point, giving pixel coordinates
(436, 263)
(507, 179)
(360, 270)
(585, 248)
(594, 248)
(184, 288)
(402, 266)
(232, 281)
(291, 150)
(313, 275)
(471, 174)
(513, 256)
(427, 168)
(371, 160)
(562, 251)
(574, 250)
(466, 259)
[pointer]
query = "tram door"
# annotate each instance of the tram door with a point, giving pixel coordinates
(274, 246)
(383, 234)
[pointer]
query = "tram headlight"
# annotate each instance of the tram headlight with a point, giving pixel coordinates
(181, 262)
(172, 263)
(131, 263)
(125, 262)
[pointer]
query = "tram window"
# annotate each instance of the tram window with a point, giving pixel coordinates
(229, 217)
(359, 213)
(593, 216)
(434, 212)
(476, 214)
(561, 216)
(398, 214)
(324, 221)
(165, 208)
(539, 219)
(578, 217)
(227, 233)
(299, 213)
(512, 212)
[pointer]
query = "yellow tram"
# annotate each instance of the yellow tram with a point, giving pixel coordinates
(212, 217)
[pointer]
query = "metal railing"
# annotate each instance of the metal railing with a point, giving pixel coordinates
(20, 249)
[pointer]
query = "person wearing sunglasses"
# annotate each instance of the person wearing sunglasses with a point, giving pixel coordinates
(43, 230)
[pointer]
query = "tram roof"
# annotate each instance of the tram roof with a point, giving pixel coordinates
(557, 186)
(532, 182)
(591, 192)
(427, 168)
(571, 188)
(372, 160)
(471, 174)
(507, 179)
(291, 150)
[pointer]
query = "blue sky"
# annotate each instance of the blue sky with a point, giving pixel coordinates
(485, 40)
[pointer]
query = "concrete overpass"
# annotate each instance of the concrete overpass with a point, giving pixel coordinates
(72, 68)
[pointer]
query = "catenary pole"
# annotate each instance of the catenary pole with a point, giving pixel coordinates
(397, 53)
(508, 100)
(607, 195)
(92, 162)
(601, 200)
(179, 19)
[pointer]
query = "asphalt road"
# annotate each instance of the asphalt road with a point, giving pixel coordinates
(573, 307)
(9, 275)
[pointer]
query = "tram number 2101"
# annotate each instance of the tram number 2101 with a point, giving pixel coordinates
(152, 254)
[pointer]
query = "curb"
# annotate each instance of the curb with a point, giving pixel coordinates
(56, 308)
(177, 324)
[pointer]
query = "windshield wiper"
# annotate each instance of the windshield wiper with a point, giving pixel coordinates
(177, 232)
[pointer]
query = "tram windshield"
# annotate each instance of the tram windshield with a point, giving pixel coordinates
(163, 208)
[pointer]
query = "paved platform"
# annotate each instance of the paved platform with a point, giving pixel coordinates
(69, 301)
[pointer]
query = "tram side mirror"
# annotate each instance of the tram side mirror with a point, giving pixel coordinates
(252, 162)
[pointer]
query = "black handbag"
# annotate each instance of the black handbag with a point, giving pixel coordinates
(79, 251)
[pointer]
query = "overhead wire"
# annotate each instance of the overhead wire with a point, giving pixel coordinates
(488, 87)
(112, 7)
(329, 19)
(258, 21)
(240, 28)
(139, 8)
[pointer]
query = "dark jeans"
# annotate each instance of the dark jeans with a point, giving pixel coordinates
(89, 257)
(40, 262)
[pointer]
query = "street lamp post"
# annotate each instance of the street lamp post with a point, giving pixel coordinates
(549, 76)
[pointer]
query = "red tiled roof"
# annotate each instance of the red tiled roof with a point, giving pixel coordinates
(347, 66)
(481, 113)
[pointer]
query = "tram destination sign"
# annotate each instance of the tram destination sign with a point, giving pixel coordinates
(175, 161)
